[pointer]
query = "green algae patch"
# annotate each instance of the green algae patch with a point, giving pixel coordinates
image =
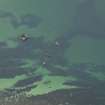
(8, 83)
(99, 75)
(61, 67)
(27, 63)
(41, 71)
(56, 83)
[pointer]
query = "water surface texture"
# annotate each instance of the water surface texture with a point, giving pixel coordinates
(52, 52)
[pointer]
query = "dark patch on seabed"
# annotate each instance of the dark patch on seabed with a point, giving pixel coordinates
(28, 81)
(60, 97)
(29, 20)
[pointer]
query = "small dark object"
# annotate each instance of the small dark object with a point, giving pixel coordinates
(24, 37)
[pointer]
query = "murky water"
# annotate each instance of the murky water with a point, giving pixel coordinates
(62, 62)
